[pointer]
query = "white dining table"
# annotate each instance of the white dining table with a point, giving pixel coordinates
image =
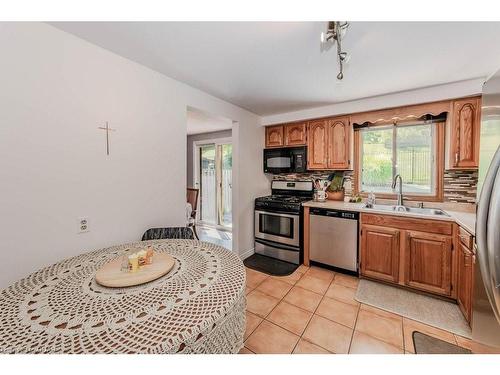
(198, 307)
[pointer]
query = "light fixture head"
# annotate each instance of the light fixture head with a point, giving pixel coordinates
(335, 32)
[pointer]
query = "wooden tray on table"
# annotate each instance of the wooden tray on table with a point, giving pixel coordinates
(111, 275)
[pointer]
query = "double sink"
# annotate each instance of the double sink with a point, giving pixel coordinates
(410, 210)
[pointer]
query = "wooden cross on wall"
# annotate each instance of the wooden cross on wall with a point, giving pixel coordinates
(108, 129)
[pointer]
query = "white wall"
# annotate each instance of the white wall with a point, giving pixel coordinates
(55, 90)
(428, 94)
(249, 182)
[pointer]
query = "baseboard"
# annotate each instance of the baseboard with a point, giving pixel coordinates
(247, 253)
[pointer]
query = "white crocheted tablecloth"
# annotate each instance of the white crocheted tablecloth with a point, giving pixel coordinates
(199, 307)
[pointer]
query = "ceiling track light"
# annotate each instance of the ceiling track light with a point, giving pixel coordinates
(335, 33)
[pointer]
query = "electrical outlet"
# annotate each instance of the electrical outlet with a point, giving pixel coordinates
(83, 225)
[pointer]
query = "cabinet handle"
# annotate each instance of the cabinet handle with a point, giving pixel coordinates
(456, 158)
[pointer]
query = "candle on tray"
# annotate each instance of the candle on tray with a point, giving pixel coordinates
(133, 261)
(142, 257)
(149, 255)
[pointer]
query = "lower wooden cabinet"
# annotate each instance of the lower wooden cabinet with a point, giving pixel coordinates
(428, 260)
(393, 251)
(380, 253)
(464, 281)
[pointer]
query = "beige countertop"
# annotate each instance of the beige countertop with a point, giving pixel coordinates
(466, 220)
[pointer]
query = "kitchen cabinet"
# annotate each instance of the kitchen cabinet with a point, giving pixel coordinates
(295, 134)
(466, 260)
(410, 252)
(286, 135)
(428, 262)
(339, 135)
(464, 284)
(317, 152)
(274, 136)
(329, 144)
(380, 253)
(330, 140)
(464, 134)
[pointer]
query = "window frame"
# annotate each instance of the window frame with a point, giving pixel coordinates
(438, 152)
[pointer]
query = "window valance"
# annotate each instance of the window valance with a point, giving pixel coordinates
(436, 110)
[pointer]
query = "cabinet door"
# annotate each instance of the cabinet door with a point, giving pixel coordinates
(465, 130)
(317, 145)
(295, 134)
(274, 136)
(339, 143)
(465, 275)
(380, 253)
(428, 262)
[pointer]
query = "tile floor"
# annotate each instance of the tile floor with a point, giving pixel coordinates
(313, 310)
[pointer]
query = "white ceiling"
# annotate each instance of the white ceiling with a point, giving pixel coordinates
(276, 67)
(202, 122)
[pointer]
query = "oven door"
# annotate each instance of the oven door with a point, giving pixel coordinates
(277, 227)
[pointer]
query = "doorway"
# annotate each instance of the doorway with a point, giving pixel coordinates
(213, 176)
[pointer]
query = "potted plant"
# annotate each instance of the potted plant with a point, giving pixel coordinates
(336, 188)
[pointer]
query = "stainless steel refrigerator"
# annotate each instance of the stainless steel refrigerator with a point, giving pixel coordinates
(486, 303)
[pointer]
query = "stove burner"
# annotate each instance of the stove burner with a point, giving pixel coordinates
(284, 199)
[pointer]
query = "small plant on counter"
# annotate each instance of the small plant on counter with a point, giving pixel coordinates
(336, 188)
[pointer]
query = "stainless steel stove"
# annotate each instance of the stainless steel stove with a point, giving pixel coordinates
(278, 220)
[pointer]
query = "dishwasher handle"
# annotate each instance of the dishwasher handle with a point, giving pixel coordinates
(334, 213)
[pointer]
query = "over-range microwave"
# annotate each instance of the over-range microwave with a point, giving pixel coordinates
(285, 160)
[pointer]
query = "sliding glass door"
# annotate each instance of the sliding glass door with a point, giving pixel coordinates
(207, 183)
(215, 182)
(226, 185)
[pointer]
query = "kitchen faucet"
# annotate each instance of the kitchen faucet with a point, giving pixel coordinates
(400, 194)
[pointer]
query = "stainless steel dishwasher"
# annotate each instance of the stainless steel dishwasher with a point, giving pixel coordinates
(334, 238)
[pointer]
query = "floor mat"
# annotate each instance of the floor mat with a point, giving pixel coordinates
(425, 344)
(271, 266)
(425, 309)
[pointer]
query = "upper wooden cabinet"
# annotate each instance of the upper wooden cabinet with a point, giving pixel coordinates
(380, 253)
(465, 123)
(330, 140)
(295, 134)
(286, 135)
(329, 144)
(339, 134)
(428, 262)
(274, 136)
(317, 153)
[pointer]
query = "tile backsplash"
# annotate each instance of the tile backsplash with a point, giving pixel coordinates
(459, 186)
(322, 175)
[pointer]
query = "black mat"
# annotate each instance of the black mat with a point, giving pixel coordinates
(425, 344)
(271, 266)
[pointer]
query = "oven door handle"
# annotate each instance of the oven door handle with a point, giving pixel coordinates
(291, 216)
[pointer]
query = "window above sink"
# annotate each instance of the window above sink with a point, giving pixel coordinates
(412, 150)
